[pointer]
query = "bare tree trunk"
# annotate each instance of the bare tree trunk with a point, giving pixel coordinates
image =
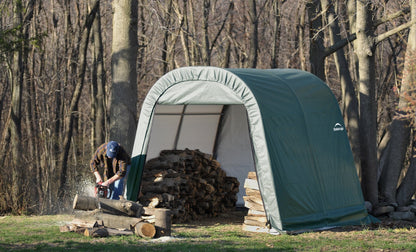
(142, 37)
(16, 113)
(368, 106)
(167, 21)
(301, 37)
(407, 188)
(98, 111)
(394, 161)
(352, 25)
(124, 73)
(254, 42)
(227, 54)
(316, 52)
(401, 127)
(184, 31)
(276, 7)
(206, 53)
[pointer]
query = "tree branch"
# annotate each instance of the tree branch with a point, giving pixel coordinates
(391, 17)
(230, 8)
(391, 32)
(341, 43)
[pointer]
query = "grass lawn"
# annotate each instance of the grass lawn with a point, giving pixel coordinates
(28, 233)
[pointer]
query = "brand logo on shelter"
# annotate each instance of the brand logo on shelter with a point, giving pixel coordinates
(338, 127)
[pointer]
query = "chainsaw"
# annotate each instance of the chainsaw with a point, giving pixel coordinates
(102, 191)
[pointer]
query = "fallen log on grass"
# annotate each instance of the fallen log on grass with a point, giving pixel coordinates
(140, 226)
(79, 225)
(105, 232)
(116, 207)
(109, 220)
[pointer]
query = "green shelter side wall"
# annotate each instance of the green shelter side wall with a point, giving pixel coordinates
(315, 179)
(134, 177)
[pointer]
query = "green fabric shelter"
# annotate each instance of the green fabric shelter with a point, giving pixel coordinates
(285, 124)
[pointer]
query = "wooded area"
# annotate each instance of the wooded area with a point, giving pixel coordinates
(65, 71)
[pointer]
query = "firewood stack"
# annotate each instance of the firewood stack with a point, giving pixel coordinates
(189, 182)
(255, 220)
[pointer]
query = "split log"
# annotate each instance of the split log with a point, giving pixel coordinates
(255, 220)
(252, 175)
(116, 207)
(253, 204)
(253, 193)
(252, 212)
(251, 184)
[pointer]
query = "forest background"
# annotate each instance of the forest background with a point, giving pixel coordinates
(62, 62)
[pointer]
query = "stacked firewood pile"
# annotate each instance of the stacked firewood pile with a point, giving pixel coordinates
(189, 182)
(255, 220)
(100, 217)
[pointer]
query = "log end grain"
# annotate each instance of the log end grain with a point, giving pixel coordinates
(145, 230)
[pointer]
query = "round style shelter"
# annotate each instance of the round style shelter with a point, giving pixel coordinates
(285, 124)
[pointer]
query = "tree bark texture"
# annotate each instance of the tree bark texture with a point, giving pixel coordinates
(16, 113)
(98, 83)
(368, 106)
(316, 51)
(276, 6)
(123, 108)
(402, 132)
(254, 37)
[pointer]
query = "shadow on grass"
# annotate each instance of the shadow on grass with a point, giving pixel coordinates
(102, 244)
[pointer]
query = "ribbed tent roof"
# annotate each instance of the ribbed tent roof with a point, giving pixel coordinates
(300, 148)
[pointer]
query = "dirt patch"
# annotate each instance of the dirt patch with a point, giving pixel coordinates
(229, 220)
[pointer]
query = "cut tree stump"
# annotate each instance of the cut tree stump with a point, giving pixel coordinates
(163, 222)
